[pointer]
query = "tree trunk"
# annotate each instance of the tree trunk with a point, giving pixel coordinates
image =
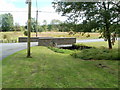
(109, 42)
(109, 37)
(107, 25)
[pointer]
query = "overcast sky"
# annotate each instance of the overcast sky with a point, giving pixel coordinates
(20, 5)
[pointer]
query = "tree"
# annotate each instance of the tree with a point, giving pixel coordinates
(45, 25)
(6, 22)
(55, 24)
(55, 21)
(33, 25)
(103, 13)
(17, 27)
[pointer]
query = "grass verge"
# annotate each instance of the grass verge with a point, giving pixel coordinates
(48, 69)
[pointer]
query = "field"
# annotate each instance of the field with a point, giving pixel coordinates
(8, 36)
(49, 69)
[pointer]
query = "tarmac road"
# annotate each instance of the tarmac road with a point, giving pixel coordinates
(10, 48)
(7, 49)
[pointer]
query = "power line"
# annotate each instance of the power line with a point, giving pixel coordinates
(13, 11)
(32, 11)
(47, 12)
(27, 11)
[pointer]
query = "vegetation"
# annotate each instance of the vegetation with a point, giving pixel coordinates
(6, 22)
(88, 65)
(99, 15)
(91, 51)
(26, 33)
(48, 69)
(15, 34)
(64, 51)
(97, 54)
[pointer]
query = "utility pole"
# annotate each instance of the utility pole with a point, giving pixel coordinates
(36, 18)
(36, 22)
(29, 28)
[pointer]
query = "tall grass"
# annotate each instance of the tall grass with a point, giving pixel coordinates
(78, 35)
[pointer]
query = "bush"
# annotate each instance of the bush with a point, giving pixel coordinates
(81, 46)
(5, 36)
(97, 54)
(25, 33)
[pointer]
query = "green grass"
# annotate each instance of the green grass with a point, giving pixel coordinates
(48, 69)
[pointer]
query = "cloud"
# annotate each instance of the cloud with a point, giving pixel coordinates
(21, 17)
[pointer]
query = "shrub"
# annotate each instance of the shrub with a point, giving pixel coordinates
(25, 33)
(5, 36)
(97, 54)
(81, 46)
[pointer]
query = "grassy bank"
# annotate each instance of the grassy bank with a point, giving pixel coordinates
(48, 69)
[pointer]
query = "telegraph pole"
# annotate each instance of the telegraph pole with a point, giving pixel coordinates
(36, 19)
(29, 28)
(36, 22)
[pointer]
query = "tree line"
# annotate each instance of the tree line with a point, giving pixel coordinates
(7, 24)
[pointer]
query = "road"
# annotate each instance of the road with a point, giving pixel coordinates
(7, 49)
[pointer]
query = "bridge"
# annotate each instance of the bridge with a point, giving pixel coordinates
(50, 41)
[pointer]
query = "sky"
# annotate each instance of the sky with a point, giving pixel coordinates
(21, 17)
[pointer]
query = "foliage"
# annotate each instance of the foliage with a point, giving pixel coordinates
(58, 50)
(5, 36)
(115, 28)
(17, 27)
(25, 32)
(22, 28)
(6, 22)
(55, 21)
(55, 24)
(40, 29)
(96, 14)
(45, 27)
(33, 25)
